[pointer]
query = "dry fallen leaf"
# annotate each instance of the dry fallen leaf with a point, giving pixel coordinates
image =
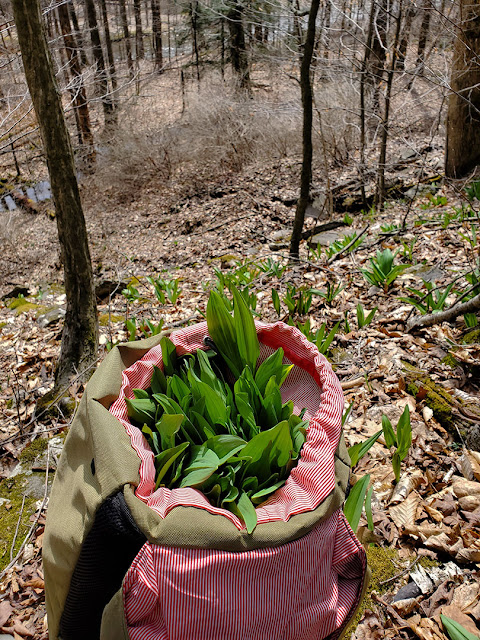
(5, 612)
(407, 483)
(404, 514)
(463, 487)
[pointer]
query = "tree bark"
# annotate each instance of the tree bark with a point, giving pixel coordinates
(101, 73)
(80, 332)
(80, 98)
(407, 27)
(423, 36)
(108, 41)
(77, 33)
(126, 36)
(238, 50)
(463, 119)
(139, 48)
(307, 104)
(157, 35)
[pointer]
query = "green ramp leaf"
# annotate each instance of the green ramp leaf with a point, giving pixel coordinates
(354, 504)
(456, 631)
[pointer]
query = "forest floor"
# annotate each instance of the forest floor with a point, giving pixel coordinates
(192, 231)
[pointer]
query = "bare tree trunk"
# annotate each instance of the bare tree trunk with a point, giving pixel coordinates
(193, 8)
(307, 104)
(108, 42)
(422, 38)
(238, 50)
(101, 73)
(157, 35)
(380, 191)
(80, 332)
(80, 98)
(77, 33)
(126, 36)
(379, 50)
(139, 49)
(407, 27)
(463, 119)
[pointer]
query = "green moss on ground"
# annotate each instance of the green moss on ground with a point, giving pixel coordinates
(437, 398)
(12, 490)
(381, 563)
(472, 337)
(105, 319)
(33, 450)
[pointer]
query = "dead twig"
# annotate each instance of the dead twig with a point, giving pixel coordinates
(349, 245)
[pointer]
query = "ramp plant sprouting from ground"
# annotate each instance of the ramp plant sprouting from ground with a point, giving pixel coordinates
(215, 421)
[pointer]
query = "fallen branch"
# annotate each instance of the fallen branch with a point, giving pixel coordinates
(472, 306)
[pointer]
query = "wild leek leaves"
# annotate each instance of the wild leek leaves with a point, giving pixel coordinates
(229, 436)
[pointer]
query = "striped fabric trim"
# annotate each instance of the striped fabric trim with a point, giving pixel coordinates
(311, 384)
(292, 592)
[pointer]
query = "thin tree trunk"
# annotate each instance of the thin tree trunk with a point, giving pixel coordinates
(108, 42)
(407, 27)
(80, 98)
(157, 35)
(463, 120)
(194, 21)
(363, 118)
(307, 104)
(80, 331)
(101, 73)
(422, 39)
(380, 191)
(77, 33)
(378, 54)
(126, 36)
(139, 49)
(238, 50)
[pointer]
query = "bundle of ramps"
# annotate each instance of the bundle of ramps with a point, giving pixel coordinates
(125, 561)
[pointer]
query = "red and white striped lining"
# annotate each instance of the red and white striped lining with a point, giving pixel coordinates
(311, 384)
(302, 590)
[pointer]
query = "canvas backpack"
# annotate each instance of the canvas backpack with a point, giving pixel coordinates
(123, 561)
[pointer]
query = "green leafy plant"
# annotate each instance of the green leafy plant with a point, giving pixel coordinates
(215, 420)
(363, 320)
(323, 338)
(276, 302)
(471, 237)
(340, 244)
(471, 320)
(331, 292)
(347, 219)
(358, 450)
(434, 300)
(389, 227)
(131, 293)
(401, 439)
(454, 629)
(165, 289)
(359, 496)
(434, 201)
(298, 301)
(383, 272)
(271, 267)
(407, 250)
(473, 190)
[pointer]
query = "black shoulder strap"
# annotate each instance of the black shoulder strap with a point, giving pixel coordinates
(105, 557)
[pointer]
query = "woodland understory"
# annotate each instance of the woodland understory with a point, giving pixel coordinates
(197, 188)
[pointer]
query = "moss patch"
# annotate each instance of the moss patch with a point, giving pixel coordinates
(33, 450)
(435, 397)
(104, 319)
(12, 489)
(450, 361)
(380, 561)
(472, 337)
